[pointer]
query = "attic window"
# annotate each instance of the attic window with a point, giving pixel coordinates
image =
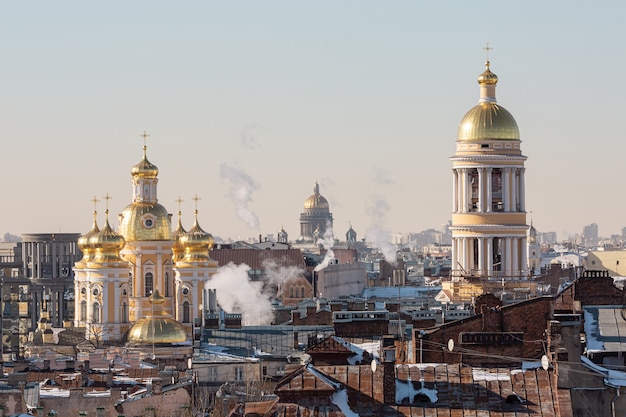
(484, 145)
(514, 399)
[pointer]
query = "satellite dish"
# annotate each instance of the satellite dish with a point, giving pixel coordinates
(153, 356)
(451, 345)
(373, 366)
(545, 363)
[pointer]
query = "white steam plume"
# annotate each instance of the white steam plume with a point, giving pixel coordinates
(377, 233)
(241, 188)
(327, 241)
(237, 294)
(275, 275)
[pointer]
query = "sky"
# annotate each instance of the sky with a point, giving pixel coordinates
(249, 103)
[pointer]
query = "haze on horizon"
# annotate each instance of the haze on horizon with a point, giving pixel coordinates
(249, 103)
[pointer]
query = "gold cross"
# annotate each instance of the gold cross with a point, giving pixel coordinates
(95, 203)
(179, 201)
(488, 48)
(107, 197)
(145, 136)
(196, 199)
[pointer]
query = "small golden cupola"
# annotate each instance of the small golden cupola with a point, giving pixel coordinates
(158, 328)
(145, 219)
(487, 120)
(107, 244)
(178, 251)
(144, 168)
(84, 242)
(196, 243)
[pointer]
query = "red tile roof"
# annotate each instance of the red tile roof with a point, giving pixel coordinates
(259, 259)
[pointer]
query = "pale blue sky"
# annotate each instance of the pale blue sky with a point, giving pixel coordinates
(362, 96)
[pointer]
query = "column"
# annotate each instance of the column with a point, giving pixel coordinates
(506, 196)
(524, 260)
(489, 193)
(481, 256)
(522, 190)
(455, 190)
(481, 190)
(489, 256)
(515, 256)
(514, 189)
(507, 256)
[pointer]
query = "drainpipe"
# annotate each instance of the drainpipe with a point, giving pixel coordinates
(613, 401)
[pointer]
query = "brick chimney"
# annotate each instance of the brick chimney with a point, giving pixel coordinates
(389, 369)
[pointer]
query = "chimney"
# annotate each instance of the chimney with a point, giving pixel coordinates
(295, 340)
(389, 370)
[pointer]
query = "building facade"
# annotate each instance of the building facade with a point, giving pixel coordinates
(489, 231)
(145, 270)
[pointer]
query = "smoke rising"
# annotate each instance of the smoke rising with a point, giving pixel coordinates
(237, 294)
(377, 233)
(242, 186)
(327, 241)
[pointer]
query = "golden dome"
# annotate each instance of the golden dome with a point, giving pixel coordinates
(177, 247)
(144, 168)
(316, 201)
(107, 244)
(487, 120)
(84, 241)
(157, 328)
(145, 221)
(196, 242)
(487, 77)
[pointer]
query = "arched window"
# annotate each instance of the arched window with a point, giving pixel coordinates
(148, 284)
(290, 292)
(167, 284)
(130, 282)
(124, 312)
(186, 312)
(95, 314)
(301, 292)
(83, 310)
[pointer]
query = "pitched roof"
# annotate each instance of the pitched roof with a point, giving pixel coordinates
(259, 259)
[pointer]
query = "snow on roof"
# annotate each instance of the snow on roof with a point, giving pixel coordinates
(611, 378)
(340, 399)
(484, 375)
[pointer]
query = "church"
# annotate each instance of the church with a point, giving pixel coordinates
(143, 284)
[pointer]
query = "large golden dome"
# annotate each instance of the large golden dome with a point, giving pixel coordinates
(157, 328)
(487, 120)
(145, 221)
(316, 201)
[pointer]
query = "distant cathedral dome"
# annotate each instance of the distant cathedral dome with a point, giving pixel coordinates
(157, 328)
(487, 120)
(316, 201)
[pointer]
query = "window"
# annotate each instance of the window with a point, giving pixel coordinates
(95, 313)
(124, 312)
(238, 373)
(95, 291)
(301, 292)
(213, 373)
(83, 310)
(186, 312)
(148, 284)
(185, 290)
(167, 284)
(83, 291)
(290, 292)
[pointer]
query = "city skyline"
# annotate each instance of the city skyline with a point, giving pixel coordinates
(249, 104)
